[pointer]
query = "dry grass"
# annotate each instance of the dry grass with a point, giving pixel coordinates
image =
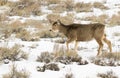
(45, 33)
(108, 74)
(68, 19)
(100, 5)
(101, 19)
(107, 59)
(116, 34)
(25, 8)
(13, 54)
(16, 26)
(34, 23)
(49, 66)
(5, 29)
(60, 55)
(59, 51)
(53, 17)
(3, 17)
(67, 57)
(115, 55)
(69, 75)
(53, 2)
(58, 8)
(69, 4)
(83, 7)
(66, 5)
(14, 73)
(45, 57)
(61, 40)
(27, 35)
(114, 20)
(3, 2)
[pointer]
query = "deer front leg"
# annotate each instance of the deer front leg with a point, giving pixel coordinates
(76, 45)
(69, 41)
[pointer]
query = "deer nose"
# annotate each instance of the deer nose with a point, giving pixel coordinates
(50, 30)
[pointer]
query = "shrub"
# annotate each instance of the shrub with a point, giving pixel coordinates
(100, 5)
(16, 26)
(45, 57)
(101, 18)
(58, 8)
(60, 55)
(61, 40)
(53, 2)
(68, 19)
(25, 8)
(3, 17)
(6, 32)
(3, 2)
(116, 34)
(50, 66)
(65, 57)
(114, 20)
(46, 34)
(109, 74)
(24, 35)
(13, 54)
(107, 59)
(69, 75)
(35, 23)
(115, 55)
(14, 73)
(83, 7)
(53, 17)
(69, 4)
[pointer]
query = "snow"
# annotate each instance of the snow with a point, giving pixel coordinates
(45, 45)
(86, 49)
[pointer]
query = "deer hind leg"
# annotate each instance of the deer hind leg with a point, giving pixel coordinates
(100, 46)
(108, 43)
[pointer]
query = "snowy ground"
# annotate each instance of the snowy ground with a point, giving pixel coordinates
(89, 50)
(80, 71)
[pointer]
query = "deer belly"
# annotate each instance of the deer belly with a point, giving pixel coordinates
(84, 37)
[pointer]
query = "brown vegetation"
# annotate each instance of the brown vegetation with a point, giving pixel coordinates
(13, 54)
(100, 5)
(108, 74)
(25, 8)
(14, 73)
(107, 59)
(83, 7)
(114, 20)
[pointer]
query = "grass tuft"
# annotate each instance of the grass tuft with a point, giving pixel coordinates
(14, 73)
(13, 54)
(109, 74)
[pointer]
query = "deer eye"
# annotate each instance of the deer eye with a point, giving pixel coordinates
(55, 25)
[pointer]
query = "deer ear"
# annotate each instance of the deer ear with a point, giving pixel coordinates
(50, 21)
(58, 21)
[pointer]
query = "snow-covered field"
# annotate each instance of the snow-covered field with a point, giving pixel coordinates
(89, 49)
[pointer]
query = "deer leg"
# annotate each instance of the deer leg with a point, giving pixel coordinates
(108, 43)
(100, 46)
(76, 45)
(67, 43)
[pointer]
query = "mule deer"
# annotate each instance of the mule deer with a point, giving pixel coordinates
(83, 32)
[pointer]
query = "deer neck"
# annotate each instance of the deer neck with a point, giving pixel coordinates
(63, 29)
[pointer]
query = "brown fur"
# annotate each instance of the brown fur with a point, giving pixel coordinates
(83, 32)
